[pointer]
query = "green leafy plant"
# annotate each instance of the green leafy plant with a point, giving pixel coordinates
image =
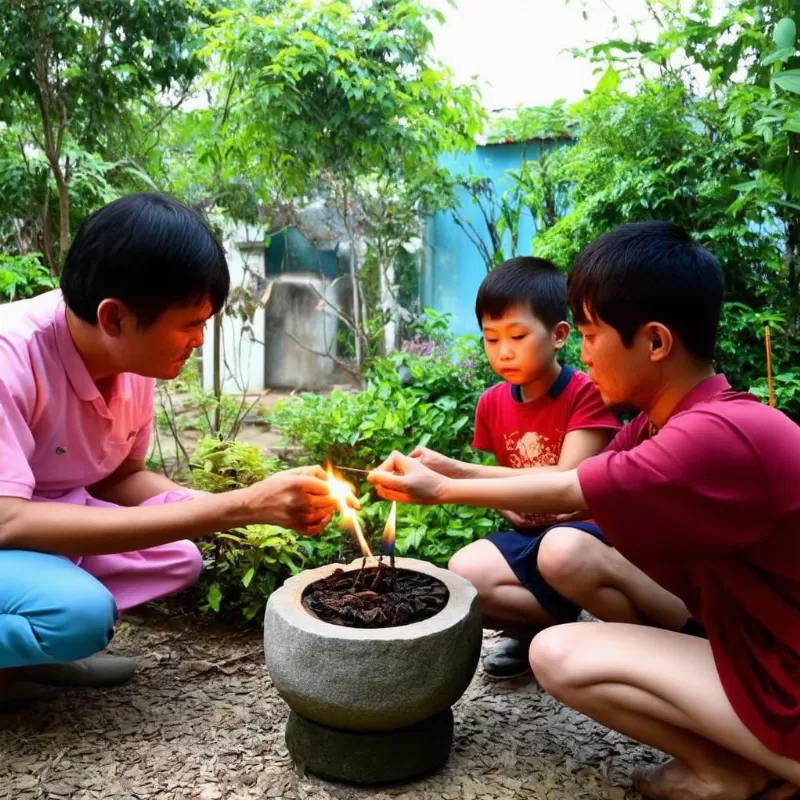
(219, 466)
(786, 386)
(23, 276)
(424, 394)
(243, 565)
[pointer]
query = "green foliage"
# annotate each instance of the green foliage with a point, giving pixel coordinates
(425, 394)
(72, 77)
(364, 68)
(244, 565)
(23, 276)
(699, 125)
(219, 466)
(786, 386)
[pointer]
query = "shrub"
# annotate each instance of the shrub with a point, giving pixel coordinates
(425, 394)
(243, 566)
(23, 276)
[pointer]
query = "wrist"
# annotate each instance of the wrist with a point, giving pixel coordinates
(461, 469)
(238, 508)
(446, 491)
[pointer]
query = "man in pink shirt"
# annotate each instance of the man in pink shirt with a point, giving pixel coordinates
(702, 493)
(87, 532)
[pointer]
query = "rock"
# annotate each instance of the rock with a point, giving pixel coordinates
(372, 679)
(374, 756)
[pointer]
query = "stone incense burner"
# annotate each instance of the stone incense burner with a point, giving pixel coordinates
(371, 705)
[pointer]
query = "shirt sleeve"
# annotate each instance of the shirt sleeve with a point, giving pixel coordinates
(141, 444)
(698, 488)
(482, 439)
(589, 410)
(16, 440)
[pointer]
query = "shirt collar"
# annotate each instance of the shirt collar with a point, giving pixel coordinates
(703, 392)
(564, 377)
(74, 366)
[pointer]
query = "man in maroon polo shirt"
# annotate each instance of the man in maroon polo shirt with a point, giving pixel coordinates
(702, 492)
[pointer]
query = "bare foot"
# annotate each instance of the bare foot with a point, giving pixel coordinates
(675, 781)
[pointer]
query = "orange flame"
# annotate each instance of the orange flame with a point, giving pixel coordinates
(342, 491)
(388, 538)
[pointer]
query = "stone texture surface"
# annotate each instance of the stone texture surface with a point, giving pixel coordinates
(373, 757)
(371, 679)
(201, 721)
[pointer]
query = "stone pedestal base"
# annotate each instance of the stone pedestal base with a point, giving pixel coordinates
(374, 756)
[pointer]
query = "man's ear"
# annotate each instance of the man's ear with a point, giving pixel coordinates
(560, 334)
(111, 317)
(660, 340)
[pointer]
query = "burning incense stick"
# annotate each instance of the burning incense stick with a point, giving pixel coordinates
(388, 538)
(342, 492)
(768, 340)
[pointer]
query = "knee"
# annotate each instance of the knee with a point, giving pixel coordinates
(550, 658)
(188, 564)
(469, 565)
(568, 560)
(81, 626)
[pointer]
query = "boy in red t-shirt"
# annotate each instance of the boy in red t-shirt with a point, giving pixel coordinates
(543, 416)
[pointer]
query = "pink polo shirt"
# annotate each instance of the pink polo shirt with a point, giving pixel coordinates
(57, 432)
(710, 508)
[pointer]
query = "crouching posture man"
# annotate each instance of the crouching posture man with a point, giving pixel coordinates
(702, 493)
(86, 532)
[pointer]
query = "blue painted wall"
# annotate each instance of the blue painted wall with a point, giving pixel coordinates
(452, 267)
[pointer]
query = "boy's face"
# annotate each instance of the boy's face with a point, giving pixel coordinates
(161, 349)
(520, 347)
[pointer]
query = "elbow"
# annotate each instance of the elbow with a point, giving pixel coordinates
(12, 512)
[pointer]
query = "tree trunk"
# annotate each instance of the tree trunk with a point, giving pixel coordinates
(52, 152)
(63, 216)
(217, 373)
(356, 300)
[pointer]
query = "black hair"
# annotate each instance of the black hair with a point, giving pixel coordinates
(526, 280)
(650, 272)
(150, 252)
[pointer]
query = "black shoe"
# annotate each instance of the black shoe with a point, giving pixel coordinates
(508, 659)
(98, 671)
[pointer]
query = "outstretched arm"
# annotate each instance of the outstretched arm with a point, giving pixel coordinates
(295, 499)
(544, 491)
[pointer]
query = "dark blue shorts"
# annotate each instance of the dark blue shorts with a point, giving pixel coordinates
(520, 548)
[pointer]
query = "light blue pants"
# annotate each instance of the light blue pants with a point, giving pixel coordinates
(50, 610)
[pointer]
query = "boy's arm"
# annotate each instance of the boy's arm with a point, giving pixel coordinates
(578, 446)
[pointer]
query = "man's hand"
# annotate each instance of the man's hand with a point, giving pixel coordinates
(444, 465)
(298, 499)
(407, 480)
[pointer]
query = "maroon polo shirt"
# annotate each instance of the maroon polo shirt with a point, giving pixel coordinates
(710, 508)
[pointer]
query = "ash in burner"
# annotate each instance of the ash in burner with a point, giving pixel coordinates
(377, 597)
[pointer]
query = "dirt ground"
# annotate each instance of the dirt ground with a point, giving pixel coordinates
(201, 721)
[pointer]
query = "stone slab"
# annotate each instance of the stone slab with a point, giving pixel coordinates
(372, 757)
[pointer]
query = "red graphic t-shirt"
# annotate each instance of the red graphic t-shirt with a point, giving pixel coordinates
(530, 434)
